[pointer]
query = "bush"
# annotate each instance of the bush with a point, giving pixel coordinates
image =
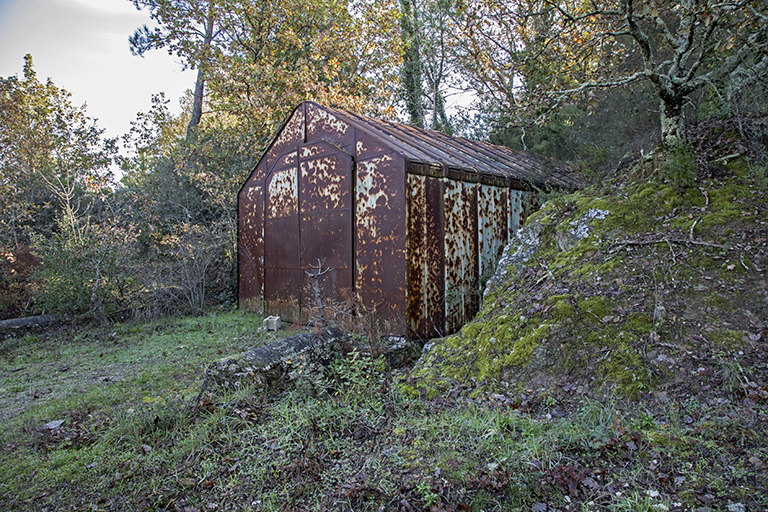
(680, 167)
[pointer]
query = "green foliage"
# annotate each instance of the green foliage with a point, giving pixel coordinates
(356, 374)
(681, 166)
(47, 146)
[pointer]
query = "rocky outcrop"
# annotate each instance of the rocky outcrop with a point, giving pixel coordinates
(280, 364)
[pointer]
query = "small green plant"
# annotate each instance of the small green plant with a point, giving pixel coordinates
(356, 373)
(428, 496)
(735, 376)
(636, 502)
(680, 168)
(645, 422)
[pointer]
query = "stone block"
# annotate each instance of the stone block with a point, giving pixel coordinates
(272, 323)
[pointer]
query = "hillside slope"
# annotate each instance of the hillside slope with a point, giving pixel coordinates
(639, 287)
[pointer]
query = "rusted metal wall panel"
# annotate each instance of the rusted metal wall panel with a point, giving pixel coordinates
(292, 134)
(325, 182)
(531, 203)
(334, 285)
(380, 263)
(461, 253)
(492, 227)
(425, 276)
(322, 125)
(326, 224)
(250, 211)
(521, 204)
(282, 194)
(281, 242)
(280, 292)
(367, 146)
(515, 209)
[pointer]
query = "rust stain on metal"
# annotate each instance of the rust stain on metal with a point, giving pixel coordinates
(515, 207)
(326, 224)
(325, 183)
(292, 134)
(424, 255)
(373, 196)
(492, 231)
(324, 125)
(251, 247)
(280, 297)
(367, 147)
(380, 234)
(461, 261)
(283, 197)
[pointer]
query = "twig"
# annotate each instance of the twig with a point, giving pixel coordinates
(741, 259)
(704, 191)
(694, 226)
(672, 251)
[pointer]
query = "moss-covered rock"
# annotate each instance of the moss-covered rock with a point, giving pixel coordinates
(278, 364)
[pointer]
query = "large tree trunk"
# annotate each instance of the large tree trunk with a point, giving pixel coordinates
(672, 123)
(197, 102)
(411, 71)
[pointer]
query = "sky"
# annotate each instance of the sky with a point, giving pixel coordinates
(82, 45)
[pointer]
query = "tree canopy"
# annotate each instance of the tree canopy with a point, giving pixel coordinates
(538, 55)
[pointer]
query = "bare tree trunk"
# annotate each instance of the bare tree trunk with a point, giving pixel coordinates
(197, 102)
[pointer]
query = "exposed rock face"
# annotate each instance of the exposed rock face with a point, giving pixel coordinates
(278, 364)
(515, 255)
(571, 233)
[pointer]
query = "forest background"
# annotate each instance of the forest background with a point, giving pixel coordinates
(594, 83)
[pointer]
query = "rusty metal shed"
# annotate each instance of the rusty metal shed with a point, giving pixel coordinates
(407, 219)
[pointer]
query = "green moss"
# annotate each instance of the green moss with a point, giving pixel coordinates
(719, 301)
(638, 323)
(637, 210)
(595, 308)
(524, 346)
(563, 308)
(726, 338)
(625, 368)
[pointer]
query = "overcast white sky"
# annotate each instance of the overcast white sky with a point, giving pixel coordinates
(82, 45)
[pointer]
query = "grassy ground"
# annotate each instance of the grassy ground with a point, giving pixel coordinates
(132, 438)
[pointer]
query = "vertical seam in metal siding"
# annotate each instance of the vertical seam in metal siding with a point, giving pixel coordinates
(353, 216)
(298, 212)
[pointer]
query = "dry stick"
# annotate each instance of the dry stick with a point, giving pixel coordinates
(667, 240)
(316, 281)
(706, 196)
(693, 227)
(672, 251)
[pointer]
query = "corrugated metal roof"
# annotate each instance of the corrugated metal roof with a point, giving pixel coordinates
(438, 149)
